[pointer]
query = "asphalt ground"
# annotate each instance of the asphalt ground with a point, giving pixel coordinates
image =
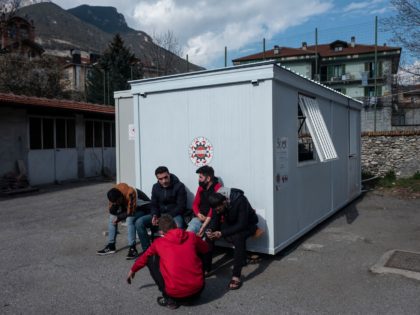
(48, 262)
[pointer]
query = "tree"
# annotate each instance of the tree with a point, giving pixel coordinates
(165, 52)
(41, 77)
(405, 27)
(112, 72)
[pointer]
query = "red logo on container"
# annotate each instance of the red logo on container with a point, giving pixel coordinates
(200, 151)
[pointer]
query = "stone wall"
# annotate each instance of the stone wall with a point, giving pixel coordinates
(398, 151)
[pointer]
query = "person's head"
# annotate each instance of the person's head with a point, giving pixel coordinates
(115, 196)
(166, 223)
(218, 202)
(163, 176)
(205, 176)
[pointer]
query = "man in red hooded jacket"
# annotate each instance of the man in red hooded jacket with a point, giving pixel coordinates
(174, 264)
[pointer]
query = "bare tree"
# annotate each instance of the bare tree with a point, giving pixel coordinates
(165, 52)
(405, 27)
(8, 8)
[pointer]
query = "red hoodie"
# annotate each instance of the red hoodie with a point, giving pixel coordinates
(180, 266)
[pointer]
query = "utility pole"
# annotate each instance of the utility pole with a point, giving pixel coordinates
(316, 55)
(376, 72)
(263, 48)
(188, 65)
(225, 56)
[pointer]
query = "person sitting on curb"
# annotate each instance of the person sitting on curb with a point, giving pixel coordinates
(129, 204)
(235, 220)
(174, 264)
(168, 196)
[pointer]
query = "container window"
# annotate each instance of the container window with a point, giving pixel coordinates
(305, 143)
(317, 129)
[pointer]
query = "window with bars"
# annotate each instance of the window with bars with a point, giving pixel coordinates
(317, 129)
(99, 134)
(50, 133)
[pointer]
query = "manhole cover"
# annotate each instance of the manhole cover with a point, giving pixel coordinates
(404, 260)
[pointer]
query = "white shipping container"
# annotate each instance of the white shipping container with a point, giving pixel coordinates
(245, 122)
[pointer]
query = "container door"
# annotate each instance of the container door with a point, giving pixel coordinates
(354, 177)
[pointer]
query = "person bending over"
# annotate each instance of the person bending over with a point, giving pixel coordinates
(129, 204)
(174, 264)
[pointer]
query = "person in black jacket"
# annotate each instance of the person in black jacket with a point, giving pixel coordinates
(235, 220)
(168, 197)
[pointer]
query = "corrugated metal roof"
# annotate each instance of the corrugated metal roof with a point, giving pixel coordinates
(30, 101)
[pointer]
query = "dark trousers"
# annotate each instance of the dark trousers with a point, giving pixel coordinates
(154, 268)
(239, 254)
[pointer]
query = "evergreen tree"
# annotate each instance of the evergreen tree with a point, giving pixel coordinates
(112, 72)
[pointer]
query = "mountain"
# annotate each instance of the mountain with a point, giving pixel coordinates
(105, 18)
(90, 29)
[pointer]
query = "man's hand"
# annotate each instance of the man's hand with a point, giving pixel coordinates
(130, 276)
(215, 235)
(200, 233)
(155, 220)
(115, 221)
(201, 217)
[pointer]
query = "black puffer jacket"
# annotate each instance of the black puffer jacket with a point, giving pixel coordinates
(171, 200)
(238, 216)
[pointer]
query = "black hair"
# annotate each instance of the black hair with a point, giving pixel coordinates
(206, 171)
(216, 199)
(166, 223)
(161, 169)
(114, 195)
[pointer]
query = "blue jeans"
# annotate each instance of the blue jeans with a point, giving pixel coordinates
(145, 222)
(131, 230)
(194, 225)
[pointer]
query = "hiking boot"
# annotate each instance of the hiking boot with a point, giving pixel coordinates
(109, 249)
(132, 253)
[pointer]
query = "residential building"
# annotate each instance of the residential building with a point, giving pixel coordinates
(347, 67)
(17, 35)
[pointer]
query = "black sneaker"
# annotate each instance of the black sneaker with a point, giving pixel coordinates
(132, 253)
(109, 249)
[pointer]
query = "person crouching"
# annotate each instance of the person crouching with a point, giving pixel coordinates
(174, 264)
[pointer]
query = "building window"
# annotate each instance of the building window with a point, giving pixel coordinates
(89, 134)
(109, 134)
(317, 129)
(65, 133)
(35, 133)
(48, 133)
(41, 133)
(97, 131)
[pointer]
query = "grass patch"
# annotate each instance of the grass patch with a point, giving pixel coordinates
(390, 181)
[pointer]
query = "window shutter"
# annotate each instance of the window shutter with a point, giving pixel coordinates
(318, 129)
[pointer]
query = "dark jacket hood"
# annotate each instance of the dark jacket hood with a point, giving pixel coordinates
(235, 194)
(177, 236)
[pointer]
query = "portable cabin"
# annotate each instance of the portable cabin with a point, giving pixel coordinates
(291, 144)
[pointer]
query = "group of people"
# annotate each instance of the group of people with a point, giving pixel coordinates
(180, 259)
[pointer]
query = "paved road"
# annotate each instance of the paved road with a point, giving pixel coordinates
(48, 263)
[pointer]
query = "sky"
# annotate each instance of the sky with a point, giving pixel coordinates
(205, 27)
